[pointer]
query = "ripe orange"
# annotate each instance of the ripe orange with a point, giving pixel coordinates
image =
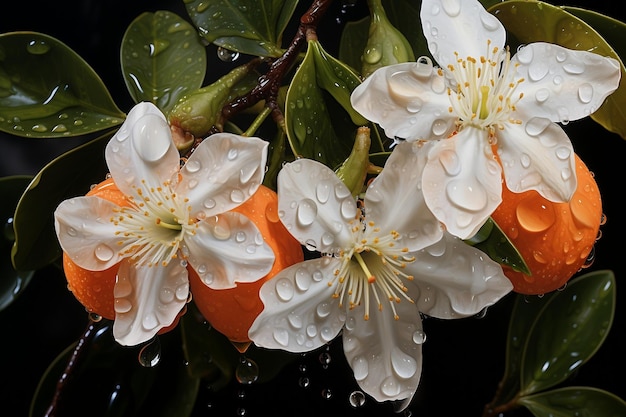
(94, 289)
(232, 311)
(554, 239)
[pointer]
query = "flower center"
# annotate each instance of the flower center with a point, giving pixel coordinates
(152, 228)
(372, 270)
(485, 90)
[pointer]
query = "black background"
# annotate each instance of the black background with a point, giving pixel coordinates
(463, 359)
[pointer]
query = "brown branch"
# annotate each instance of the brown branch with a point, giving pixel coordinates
(269, 83)
(75, 361)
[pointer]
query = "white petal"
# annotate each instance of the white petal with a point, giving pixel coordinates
(147, 299)
(227, 249)
(561, 84)
(142, 150)
(385, 354)
(85, 232)
(462, 182)
(315, 206)
(394, 200)
(223, 172)
(462, 26)
(543, 161)
(300, 313)
(409, 101)
(455, 279)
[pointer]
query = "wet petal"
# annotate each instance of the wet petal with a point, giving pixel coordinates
(462, 182)
(227, 249)
(538, 155)
(85, 232)
(461, 26)
(409, 101)
(315, 206)
(223, 172)
(142, 151)
(561, 84)
(300, 313)
(394, 200)
(147, 299)
(455, 279)
(385, 354)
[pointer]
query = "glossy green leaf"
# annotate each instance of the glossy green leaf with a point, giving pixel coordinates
(321, 123)
(575, 402)
(252, 27)
(403, 14)
(47, 90)
(69, 175)
(524, 314)
(568, 331)
(491, 240)
(12, 282)
(533, 21)
(162, 58)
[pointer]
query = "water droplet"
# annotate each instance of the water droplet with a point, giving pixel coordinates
(304, 382)
(209, 203)
(372, 55)
(451, 7)
(151, 137)
(306, 212)
(390, 387)
(303, 279)
(150, 353)
(227, 55)
(103, 252)
(585, 93)
(538, 70)
(247, 371)
(193, 165)
(237, 196)
(357, 399)
(536, 126)
(284, 289)
(574, 68)
(9, 232)
(37, 47)
(348, 209)
(439, 127)
(542, 95)
(322, 192)
(534, 216)
(323, 309)
(419, 337)
(471, 197)
(403, 365)
(327, 394)
(281, 336)
(450, 162)
(232, 154)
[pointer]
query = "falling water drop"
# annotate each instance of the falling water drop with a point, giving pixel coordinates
(247, 371)
(150, 353)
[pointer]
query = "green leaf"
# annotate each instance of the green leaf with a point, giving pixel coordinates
(69, 175)
(321, 123)
(568, 331)
(47, 90)
(12, 282)
(533, 21)
(162, 59)
(491, 240)
(575, 402)
(252, 27)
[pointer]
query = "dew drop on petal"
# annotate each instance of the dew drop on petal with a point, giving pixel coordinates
(348, 209)
(193, 165)
(303, 279)
(538, 70)
(237, 196)
(439, 127)
(306, 212)
(281, 336)
(323, 309)
(209, 203)
(419, 337)
(585, 93)
(150, 321)
(451, 7)
(360, 368)
(450, 162)
(295, 320)
(284, 289)
(232, 154)
(542, 95)
(151, 137)
(104, 252)
(390, 387)
(322, 192)
(122, 305)
(403, 365)
(536, 126)
(470, 197)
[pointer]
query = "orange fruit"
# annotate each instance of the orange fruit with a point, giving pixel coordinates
(555, 239)
(94, 289)
(231, 311)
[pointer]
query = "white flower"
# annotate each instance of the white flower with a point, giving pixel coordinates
(175, 216)
(380, 267)
(494, 114)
